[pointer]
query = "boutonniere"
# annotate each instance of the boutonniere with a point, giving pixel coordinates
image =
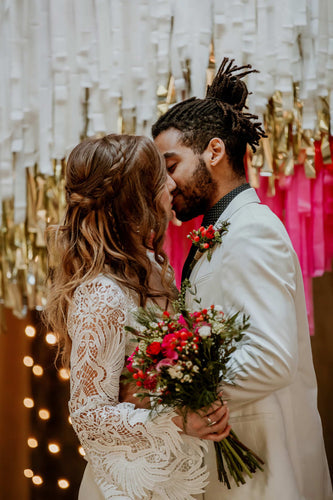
(205, 239)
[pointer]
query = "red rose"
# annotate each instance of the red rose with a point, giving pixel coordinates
(210, 233)
(206, 246)
(153, 349)
(169, 343)
(150, 383)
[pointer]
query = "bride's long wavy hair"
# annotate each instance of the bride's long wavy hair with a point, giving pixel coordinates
(113, 216)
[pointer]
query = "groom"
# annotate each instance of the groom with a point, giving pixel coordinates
(273, 400)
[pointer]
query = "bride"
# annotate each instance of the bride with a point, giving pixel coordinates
(109, 261)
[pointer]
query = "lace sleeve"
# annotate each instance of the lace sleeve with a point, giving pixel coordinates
(132, 455)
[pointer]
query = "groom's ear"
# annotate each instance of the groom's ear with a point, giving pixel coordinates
(216, 151)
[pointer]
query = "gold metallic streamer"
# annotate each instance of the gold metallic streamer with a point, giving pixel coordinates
(23, 257)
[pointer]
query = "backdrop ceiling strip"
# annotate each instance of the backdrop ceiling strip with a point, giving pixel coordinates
(72, 68)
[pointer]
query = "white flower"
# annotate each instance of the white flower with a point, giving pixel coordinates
(175, 371)
(189, 364)
(205, 331)
(186, 378)
(195, 369)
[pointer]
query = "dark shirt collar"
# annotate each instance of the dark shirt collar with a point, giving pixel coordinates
(214, 213)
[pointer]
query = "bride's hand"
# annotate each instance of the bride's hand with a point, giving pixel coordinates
(127, 395)
(208, 423)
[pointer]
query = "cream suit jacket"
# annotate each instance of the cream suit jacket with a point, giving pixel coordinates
(274, 400)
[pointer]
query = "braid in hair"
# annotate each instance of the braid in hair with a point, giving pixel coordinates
(220, 114)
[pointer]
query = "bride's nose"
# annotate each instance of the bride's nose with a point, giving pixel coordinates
(171, 185)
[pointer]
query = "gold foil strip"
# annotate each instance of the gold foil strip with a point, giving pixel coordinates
(23, 259)
(252, 170)
(267, 169)
(324, 128)
(307, 154)
(288, 166)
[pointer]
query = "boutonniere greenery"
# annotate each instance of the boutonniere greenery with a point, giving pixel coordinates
(205, 239)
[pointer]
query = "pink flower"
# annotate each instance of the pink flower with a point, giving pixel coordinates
(166, 362)
(169, 344)
(130, 360)
(129, 366)
(182, 320)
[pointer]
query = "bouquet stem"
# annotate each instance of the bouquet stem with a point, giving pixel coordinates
(239, 459)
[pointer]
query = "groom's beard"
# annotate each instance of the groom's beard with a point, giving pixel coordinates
(193, 198)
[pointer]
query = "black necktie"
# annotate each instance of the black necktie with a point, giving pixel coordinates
(186, 268)
(211, 217)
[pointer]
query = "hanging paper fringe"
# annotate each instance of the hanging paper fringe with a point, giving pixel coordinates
(72, 69)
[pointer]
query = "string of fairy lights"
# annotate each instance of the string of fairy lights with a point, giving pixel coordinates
(43, 413)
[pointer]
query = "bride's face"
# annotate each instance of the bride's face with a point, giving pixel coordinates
(165, 199)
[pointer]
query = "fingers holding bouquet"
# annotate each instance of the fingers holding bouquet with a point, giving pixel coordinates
(217, 422)
(208, 423)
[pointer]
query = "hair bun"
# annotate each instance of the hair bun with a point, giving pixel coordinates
(228, 86)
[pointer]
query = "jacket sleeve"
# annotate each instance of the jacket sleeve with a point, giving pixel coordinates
(257, 275)
(130, 452)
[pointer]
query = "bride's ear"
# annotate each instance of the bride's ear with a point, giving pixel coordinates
(216, 151)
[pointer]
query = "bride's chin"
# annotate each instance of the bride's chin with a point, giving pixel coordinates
(173, 219)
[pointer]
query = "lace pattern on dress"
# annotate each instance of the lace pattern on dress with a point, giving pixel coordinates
(132, 455)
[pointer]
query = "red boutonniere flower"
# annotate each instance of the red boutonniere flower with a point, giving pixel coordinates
(206, 238)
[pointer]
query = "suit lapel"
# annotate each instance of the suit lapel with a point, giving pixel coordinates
(243, 198)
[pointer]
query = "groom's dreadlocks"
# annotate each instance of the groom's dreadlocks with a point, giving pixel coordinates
(218, 115)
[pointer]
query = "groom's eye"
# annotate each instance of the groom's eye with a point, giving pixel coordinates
(171, 168)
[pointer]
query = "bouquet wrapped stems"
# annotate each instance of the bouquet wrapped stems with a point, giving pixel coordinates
(239, 459)
(232, 456)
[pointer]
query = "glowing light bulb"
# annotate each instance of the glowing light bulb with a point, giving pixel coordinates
(32, 442)
(28, 473)
(37, 370)
(44, 414)
(37, 480)
(64, 374)
(28, 402)
(81, 451)
(30, 331)
(63, 483)
(53, 448)
(28, 361)
(50, 338)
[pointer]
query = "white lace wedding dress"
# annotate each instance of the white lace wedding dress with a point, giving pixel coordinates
(130, 454)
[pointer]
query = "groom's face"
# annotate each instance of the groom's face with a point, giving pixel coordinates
(194, 183)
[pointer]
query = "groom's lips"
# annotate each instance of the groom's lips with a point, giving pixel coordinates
(174, 197)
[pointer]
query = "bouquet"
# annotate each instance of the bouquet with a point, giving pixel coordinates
(179, 363)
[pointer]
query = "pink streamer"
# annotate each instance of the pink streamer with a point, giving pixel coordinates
(306, 208)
